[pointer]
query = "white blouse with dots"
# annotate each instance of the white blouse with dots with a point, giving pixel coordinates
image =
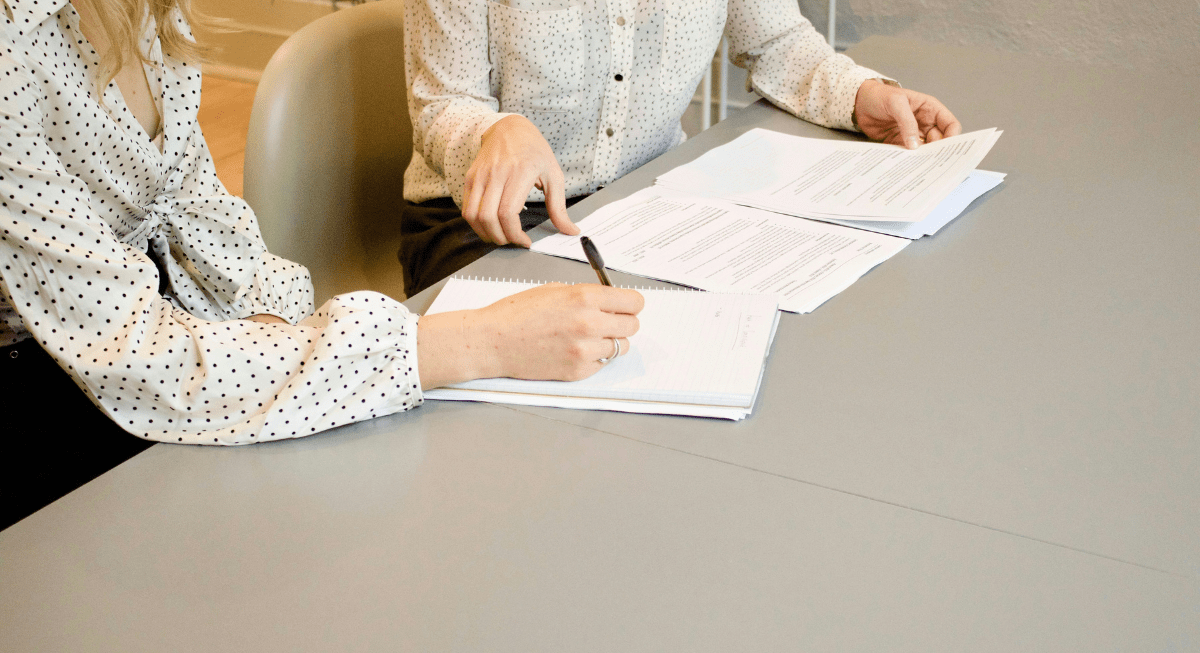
(85, 194)
(606, 81)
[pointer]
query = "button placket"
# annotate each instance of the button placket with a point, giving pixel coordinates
(615, 107)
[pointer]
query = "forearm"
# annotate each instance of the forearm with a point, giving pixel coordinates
(795, 68)
(451, 349)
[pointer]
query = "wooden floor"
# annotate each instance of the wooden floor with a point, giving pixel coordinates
(225, 118)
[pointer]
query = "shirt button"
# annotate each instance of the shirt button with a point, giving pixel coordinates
(609, 131)
(619, 77)
(620, 21)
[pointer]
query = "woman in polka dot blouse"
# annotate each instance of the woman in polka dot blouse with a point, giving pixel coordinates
(516, 102)
(126, 269)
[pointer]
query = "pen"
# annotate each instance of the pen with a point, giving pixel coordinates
(593, 257)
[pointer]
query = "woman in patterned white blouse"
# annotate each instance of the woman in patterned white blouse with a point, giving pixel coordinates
(124, 262)
(518, 101)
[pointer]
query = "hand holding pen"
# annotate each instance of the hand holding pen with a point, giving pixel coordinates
(597, 263)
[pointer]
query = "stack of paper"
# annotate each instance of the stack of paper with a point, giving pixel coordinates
(977, 183)
(726, 222)
(699, 354)
(883, 188)
(719, 246)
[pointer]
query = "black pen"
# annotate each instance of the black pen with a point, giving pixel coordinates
(593, 257)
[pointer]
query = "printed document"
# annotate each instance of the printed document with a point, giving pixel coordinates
(977, 183)
(820, 178)
(719, 246)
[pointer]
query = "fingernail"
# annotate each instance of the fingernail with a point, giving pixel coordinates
(912, 143)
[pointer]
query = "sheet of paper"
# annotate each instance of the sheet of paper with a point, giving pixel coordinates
(702, 353)
(584, 403)
(719, 246)
(813, 177)
(977, 183)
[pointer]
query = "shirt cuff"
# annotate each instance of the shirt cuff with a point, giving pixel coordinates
(407, 351)
(280, 288)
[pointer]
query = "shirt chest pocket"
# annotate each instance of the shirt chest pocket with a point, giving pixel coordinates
(537, 57)
(691, 33)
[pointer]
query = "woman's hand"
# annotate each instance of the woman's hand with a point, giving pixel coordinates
(552, 332)
(514, 158)
(902, 117)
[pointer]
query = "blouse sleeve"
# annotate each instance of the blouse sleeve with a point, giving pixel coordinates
(277, 286)
(791, 64)
(450, 96)
(158, 371)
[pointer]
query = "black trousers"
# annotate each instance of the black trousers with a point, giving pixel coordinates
(436, 241)
(55, 439)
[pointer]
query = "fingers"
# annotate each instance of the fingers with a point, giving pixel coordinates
(936, 120)
(480, 194)
(513, 157)
(626, 346)
(617, 325)
(935, 114)
(493, 205)
(493, 209)
(605, 349)
(600, 311)
(605, 299)
(906, 122)
(473, 196)
(554, 187)
(486, 223)
(617, 300)
(511, 205)
(948, 124)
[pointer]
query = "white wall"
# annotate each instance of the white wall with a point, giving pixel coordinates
(1149, 35)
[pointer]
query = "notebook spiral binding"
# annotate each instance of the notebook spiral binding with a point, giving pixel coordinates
(531, 282)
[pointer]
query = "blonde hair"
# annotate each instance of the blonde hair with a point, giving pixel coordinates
(122, 23)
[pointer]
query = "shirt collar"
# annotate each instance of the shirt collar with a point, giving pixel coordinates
(27, 15)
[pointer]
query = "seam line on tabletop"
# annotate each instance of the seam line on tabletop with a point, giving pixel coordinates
(866, 496)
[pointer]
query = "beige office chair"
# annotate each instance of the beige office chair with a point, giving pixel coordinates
(329, 141)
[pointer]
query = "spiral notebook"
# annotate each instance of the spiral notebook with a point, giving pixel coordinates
(695, 353)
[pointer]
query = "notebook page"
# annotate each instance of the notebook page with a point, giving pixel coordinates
(692, 348)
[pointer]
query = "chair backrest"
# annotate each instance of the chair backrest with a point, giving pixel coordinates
(329, 140)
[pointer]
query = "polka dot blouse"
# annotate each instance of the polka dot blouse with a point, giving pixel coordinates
(606, 81)
(132, 265)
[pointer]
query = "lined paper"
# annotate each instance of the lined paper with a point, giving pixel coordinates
(705, 350)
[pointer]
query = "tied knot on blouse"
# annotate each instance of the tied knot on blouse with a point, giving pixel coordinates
(202, 238)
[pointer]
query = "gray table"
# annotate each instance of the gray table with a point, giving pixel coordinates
(1035, 367)
(988, 444)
